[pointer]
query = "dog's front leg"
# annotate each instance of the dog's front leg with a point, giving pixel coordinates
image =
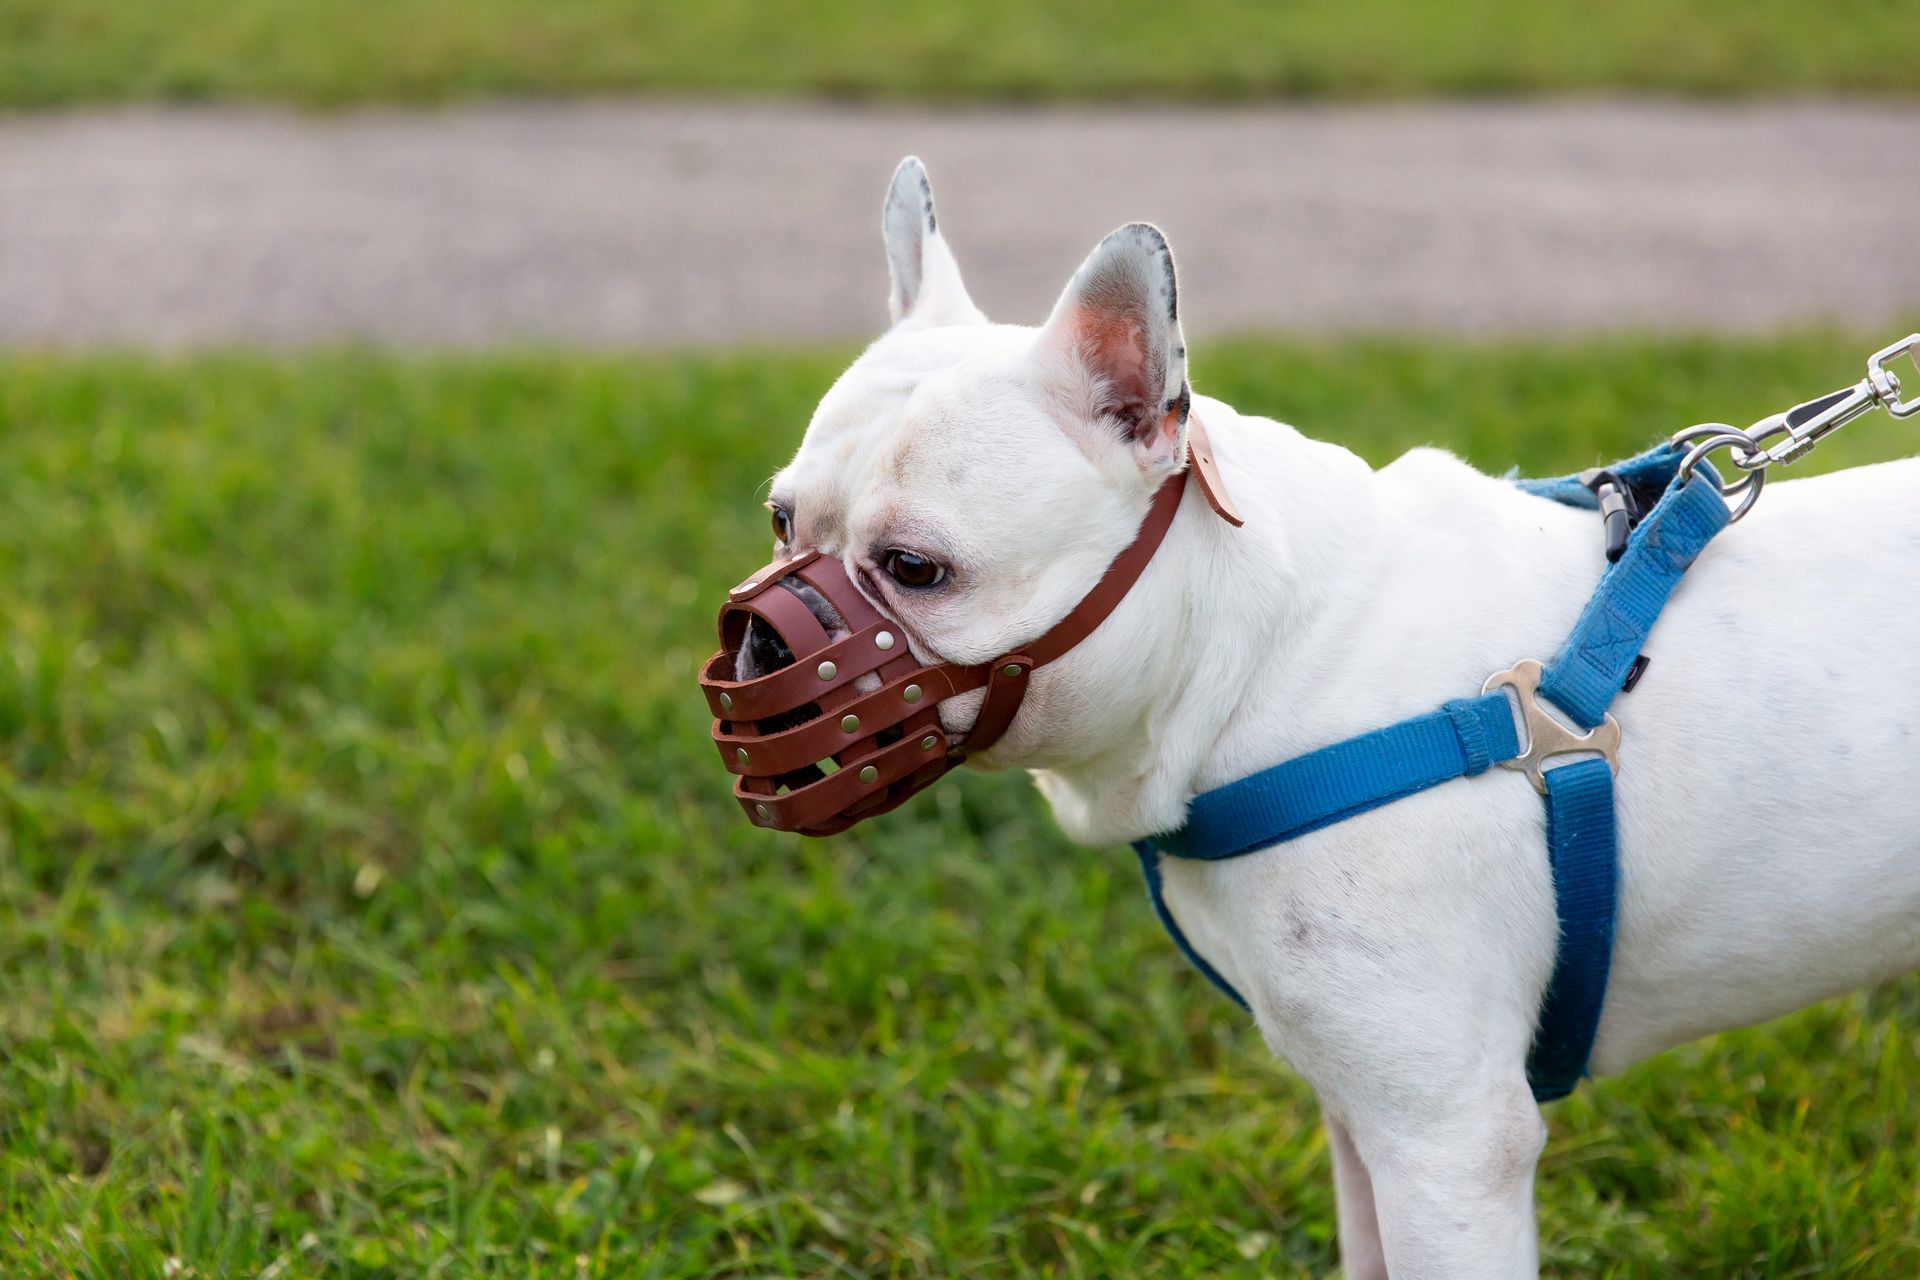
(1434, 1132)
(1420, 1064)
(1361, 1255)
(1452, 1187)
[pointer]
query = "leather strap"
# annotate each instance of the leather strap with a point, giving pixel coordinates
(1098, 604)
(1005, 690)
(1212, 487)
(1006, 677)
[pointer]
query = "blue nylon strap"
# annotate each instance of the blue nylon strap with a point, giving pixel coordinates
(1321, 788)
(1585, 675)
(1348, 778)
(1156, 891)
(1650, 470)
(1580, 843)
(1581, 850)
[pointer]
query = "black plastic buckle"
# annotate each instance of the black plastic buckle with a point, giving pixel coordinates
(1619, 512)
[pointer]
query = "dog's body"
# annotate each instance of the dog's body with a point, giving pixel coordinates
(1397, 960)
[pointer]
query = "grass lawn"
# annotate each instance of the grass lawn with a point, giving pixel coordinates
(339, 51)
(370, 904)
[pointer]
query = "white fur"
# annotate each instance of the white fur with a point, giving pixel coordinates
(1766, 799)
(924, 281)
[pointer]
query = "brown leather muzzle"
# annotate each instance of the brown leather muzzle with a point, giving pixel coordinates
(850, 727)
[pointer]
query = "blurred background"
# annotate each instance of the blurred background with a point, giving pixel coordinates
(385, 391)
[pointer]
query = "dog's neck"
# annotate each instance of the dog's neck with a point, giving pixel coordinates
(1239, 648)
(1180, 692)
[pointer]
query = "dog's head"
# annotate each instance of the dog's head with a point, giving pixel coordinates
(976, 479)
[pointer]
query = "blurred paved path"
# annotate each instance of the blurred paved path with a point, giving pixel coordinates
(635, 223)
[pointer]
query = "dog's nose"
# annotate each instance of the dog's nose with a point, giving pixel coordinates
(761, 652)
(761, 648)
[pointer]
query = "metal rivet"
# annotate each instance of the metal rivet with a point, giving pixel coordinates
(766, 814)
(927, 743)
(742, 753)
(869, 774)
(1011, 670)
(850, 723)
(911, 693)
(828, 671)
(884, 640)
(726, 702)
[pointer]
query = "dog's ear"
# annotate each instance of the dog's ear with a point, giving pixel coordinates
(1114, 339)
(926, 287)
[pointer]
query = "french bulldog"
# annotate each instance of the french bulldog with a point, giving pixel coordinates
(976, 479)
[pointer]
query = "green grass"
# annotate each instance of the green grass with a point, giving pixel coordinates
(341, 51)
(370, 903)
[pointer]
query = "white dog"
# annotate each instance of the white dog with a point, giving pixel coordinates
(1766, 798)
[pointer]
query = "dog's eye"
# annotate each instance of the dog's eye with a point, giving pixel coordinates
(782, 524)
(910, 569)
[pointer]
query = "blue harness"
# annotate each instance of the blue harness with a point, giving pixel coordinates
(1467, 736)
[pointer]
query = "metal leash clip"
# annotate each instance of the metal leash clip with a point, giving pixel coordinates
(1803, 426)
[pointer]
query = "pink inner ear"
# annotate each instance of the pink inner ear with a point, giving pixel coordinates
(1112, 345)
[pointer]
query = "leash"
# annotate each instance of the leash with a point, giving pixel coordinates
(1659, 511)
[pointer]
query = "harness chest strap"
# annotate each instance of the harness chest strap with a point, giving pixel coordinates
(1467, 736)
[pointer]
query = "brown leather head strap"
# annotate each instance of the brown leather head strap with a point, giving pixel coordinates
(1200, 454)
(1006, 676)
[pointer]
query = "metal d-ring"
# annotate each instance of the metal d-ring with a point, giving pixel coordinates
(1718, 435)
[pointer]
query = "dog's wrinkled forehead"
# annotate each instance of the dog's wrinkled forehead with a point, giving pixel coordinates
(922, 418)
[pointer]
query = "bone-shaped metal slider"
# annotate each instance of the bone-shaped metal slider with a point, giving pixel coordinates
(1547, 736)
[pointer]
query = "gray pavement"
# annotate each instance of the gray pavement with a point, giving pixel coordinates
(676, 224)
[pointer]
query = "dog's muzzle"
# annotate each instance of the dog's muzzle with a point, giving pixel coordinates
(822, 711)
